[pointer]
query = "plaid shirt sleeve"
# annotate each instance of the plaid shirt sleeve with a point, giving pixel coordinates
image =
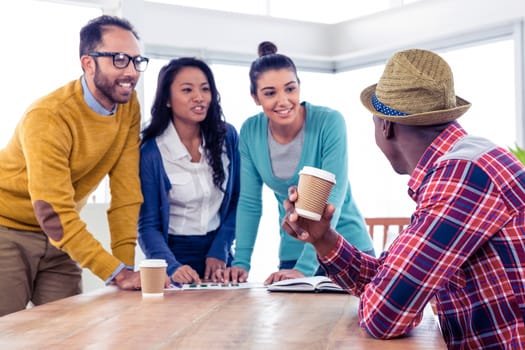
(458, 211)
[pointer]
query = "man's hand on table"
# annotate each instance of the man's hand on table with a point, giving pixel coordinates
(127, 279)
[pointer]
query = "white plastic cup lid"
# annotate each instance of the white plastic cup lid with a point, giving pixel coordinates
(320, 173)
(153, 263)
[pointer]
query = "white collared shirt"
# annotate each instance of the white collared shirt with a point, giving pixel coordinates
(194, 200)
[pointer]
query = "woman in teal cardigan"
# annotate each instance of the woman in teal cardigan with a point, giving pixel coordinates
(275, 145)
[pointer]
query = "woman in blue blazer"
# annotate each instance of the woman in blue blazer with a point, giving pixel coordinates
(189, 169)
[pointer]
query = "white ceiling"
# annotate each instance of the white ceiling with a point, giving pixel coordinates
(326, 11)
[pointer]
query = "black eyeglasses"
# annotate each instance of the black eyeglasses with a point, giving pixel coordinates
(121, 60)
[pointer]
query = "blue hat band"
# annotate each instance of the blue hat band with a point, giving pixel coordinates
(380, 107)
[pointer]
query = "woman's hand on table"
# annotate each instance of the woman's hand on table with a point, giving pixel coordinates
(185, 274)
(234, 274)
(283, 275)
(212, 266)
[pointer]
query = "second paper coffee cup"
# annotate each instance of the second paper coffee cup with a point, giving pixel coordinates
(313, 191)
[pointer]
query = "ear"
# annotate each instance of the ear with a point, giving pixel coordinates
(387, 128)
(88, 64)
(256, 100)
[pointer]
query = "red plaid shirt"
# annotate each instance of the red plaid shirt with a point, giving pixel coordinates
(465, 246)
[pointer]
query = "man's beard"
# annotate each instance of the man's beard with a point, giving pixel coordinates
(108, 88)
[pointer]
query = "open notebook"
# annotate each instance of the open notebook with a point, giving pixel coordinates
(306, 284)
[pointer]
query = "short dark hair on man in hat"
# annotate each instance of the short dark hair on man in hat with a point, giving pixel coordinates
(416, 88)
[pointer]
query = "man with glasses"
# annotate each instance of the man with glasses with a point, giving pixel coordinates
(63, 147)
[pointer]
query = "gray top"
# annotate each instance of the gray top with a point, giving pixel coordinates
(285, 158)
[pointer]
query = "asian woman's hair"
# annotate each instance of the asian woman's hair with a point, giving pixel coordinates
(213, 127)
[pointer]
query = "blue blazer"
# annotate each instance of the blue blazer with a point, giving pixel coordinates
(154, 212)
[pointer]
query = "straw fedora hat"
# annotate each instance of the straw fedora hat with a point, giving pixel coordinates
(416, 88)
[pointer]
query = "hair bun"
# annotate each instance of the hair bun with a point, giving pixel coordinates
(266, 48)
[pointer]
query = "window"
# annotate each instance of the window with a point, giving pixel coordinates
(39, 58)
(484, 75)
(43, 57)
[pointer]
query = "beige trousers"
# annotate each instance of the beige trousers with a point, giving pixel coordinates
(32, 270)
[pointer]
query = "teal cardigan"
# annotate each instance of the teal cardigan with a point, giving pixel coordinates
(325, 147)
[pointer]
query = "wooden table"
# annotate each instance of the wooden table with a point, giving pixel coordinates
(202, 319)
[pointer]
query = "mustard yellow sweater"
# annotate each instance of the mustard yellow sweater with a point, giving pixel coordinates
(60, 152)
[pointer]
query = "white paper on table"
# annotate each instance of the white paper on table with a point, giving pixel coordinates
(216, 286)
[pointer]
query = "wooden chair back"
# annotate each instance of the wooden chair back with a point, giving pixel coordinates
(386, 223)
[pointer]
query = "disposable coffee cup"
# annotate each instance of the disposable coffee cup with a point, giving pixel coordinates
(152, 277)
(313, 191)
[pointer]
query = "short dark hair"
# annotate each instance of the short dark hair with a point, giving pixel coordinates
(268, 59)
(91, 33)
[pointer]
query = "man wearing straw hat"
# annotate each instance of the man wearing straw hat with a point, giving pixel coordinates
(465, 245)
